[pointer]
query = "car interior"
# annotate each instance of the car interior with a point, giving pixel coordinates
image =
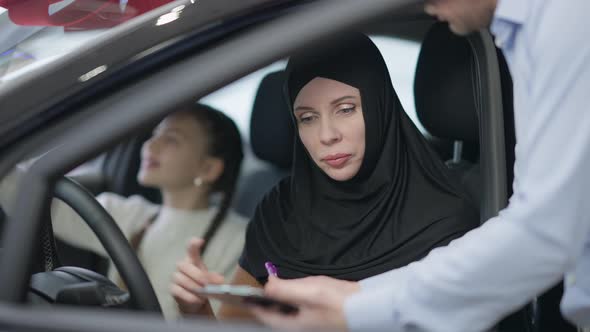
(463, 99)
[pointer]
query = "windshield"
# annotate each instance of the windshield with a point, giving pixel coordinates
(33, 33)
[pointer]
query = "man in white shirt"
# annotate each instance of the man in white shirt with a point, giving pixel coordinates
(545, 230)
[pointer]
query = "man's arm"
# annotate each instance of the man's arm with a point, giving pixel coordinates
(477, 279)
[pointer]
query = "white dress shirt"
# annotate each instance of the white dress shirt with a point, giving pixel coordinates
(543, 233)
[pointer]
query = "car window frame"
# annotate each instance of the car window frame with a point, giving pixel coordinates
(79, 139)
(33, 197)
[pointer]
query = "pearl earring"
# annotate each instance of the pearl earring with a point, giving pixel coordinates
(198, 181)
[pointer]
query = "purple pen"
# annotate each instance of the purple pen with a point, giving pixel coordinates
(271, 269)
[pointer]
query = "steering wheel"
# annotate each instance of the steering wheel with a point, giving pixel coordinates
(142, 294)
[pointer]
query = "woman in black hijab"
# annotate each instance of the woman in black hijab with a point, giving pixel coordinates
(366, 193)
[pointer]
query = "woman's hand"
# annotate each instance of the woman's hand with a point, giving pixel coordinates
(192, 274)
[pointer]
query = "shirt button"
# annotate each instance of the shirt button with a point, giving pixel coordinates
(570, 279)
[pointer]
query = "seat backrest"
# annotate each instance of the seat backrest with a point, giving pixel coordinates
(271, 139)
(447, 101)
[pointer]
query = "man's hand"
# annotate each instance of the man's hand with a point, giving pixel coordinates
(320, 301)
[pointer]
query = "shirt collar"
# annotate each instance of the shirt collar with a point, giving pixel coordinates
(514, 11)
(508, 17)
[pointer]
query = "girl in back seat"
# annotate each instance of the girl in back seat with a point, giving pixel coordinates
(192, 154)
(366, 193)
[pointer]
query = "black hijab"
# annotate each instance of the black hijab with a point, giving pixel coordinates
(401, 204)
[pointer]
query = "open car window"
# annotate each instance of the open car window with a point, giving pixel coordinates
(401, 55)
(144, 93)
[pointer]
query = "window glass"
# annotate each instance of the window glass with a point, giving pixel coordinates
(237, 99)
(400, 56)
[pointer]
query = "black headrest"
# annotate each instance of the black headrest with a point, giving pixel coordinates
(271, 128)
(2, 222)
(444, 87)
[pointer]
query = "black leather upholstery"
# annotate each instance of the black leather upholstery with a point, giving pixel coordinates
(271, 137)
(271, 129)
(447, 101)
(445, 96)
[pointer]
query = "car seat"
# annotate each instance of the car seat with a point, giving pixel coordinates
(271, 139)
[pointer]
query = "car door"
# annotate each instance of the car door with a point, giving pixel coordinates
(76, 125)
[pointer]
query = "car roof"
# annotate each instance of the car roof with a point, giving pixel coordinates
(133, 41)
(138, 40)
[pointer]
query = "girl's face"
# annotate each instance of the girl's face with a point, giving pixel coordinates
(175, 154)
(331, 126)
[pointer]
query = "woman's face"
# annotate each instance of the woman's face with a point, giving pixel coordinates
(173, 157)
(331, 126)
